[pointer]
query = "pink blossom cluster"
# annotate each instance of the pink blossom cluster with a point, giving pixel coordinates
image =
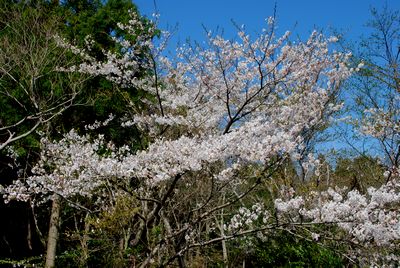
(370, 219)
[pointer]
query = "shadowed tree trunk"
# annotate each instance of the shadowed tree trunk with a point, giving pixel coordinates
(53, 232)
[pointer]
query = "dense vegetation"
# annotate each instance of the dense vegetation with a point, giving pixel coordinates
(113, 155)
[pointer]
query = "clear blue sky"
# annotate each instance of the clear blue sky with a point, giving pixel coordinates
(298, 16)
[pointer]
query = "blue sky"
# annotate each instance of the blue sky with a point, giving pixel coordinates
(298, 16)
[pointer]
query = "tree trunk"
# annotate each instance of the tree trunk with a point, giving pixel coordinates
(84, 243)
(53, 232)
(221, 227)
(29, 235)
(225, 254)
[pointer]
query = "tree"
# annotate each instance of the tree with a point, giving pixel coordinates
(378, 84)
(98, 20)
(36, 94)
(33, 92)
(28, 66)
(221, 119)
(368, 223)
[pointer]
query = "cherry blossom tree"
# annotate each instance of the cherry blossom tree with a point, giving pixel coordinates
(370, 222)
(221, 119)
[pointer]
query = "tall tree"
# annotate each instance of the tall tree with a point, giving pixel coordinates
(221, 120)
(35, 95)
(378, 83)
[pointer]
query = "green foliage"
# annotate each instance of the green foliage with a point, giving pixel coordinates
(29, 85)
(100, 98)
(29, 58)
(104, 239)
(69, 258)
(30, 262)
(359, 173)
(284, 250)
(97, 19)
